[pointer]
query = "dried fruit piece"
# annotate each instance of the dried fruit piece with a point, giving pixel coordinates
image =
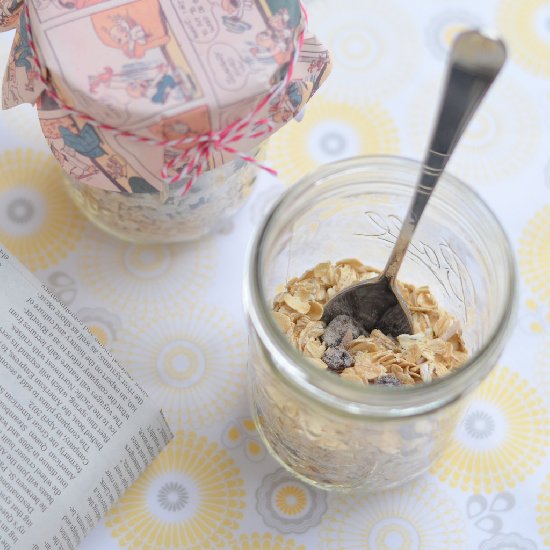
(337, 359)
(387, 380)
(337, 329)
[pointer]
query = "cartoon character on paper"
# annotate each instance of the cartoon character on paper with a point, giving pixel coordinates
(81, 151)
(275, 43)
(134, 28)
(127, 34)
(284, 108)
(85, 141)
(71, 163)
(234, 13)
(9, 13)
(22, 56)
(53, 129)
(158, 89)
(280, 27)
(141, 80)
(22, 52)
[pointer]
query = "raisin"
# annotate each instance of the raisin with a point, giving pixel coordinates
(337, 359)
(388, 380)
(337, 329)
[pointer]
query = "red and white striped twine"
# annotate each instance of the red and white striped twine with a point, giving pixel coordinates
(195, 157)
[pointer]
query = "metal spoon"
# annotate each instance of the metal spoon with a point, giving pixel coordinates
(475, 61)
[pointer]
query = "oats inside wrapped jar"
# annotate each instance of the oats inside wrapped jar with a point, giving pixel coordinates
(343, 347)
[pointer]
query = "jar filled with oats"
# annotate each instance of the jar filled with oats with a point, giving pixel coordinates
(346, 409)
(147, 215)
(160, 114)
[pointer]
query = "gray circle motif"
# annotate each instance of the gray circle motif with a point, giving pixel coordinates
(333, 144)
(173, 496)
(479, 425)
(20, 210)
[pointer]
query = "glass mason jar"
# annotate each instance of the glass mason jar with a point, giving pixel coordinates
(336, 434)
(148, 217)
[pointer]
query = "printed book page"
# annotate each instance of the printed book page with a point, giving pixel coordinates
(75, 429)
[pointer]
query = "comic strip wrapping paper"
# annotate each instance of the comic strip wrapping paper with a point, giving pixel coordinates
(160, 70)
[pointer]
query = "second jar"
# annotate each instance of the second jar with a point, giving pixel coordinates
(149, 216)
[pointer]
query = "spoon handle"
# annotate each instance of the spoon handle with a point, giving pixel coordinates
(475, 60)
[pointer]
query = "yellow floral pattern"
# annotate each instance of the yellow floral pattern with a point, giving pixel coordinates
(417, 516)
(501, 439)
(265, 541)
(534, 254)
(498, 142)
(525, 26)
(191, 497)
(289, 505)
(135, 278)
(536, 317)
(242, 432)
(367, 59)
(331, 131)
(543, 511)
(190, 362)
(291, 500)
(38, 222)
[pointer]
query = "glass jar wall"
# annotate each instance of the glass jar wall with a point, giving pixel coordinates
(147, 216)
(334, 433)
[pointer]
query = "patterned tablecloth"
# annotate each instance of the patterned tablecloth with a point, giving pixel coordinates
(173, 315)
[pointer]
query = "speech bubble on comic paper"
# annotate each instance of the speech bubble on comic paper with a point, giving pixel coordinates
(228, 68)
(200, 23)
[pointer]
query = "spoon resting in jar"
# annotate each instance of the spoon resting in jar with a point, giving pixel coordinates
(474, 62)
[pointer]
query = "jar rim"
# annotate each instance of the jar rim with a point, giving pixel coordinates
(345, 396)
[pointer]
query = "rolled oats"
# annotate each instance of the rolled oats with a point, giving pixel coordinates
(169, 215)
(433, 350)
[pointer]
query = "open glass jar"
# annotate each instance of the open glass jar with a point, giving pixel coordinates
(148, 216)
(331, 432)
